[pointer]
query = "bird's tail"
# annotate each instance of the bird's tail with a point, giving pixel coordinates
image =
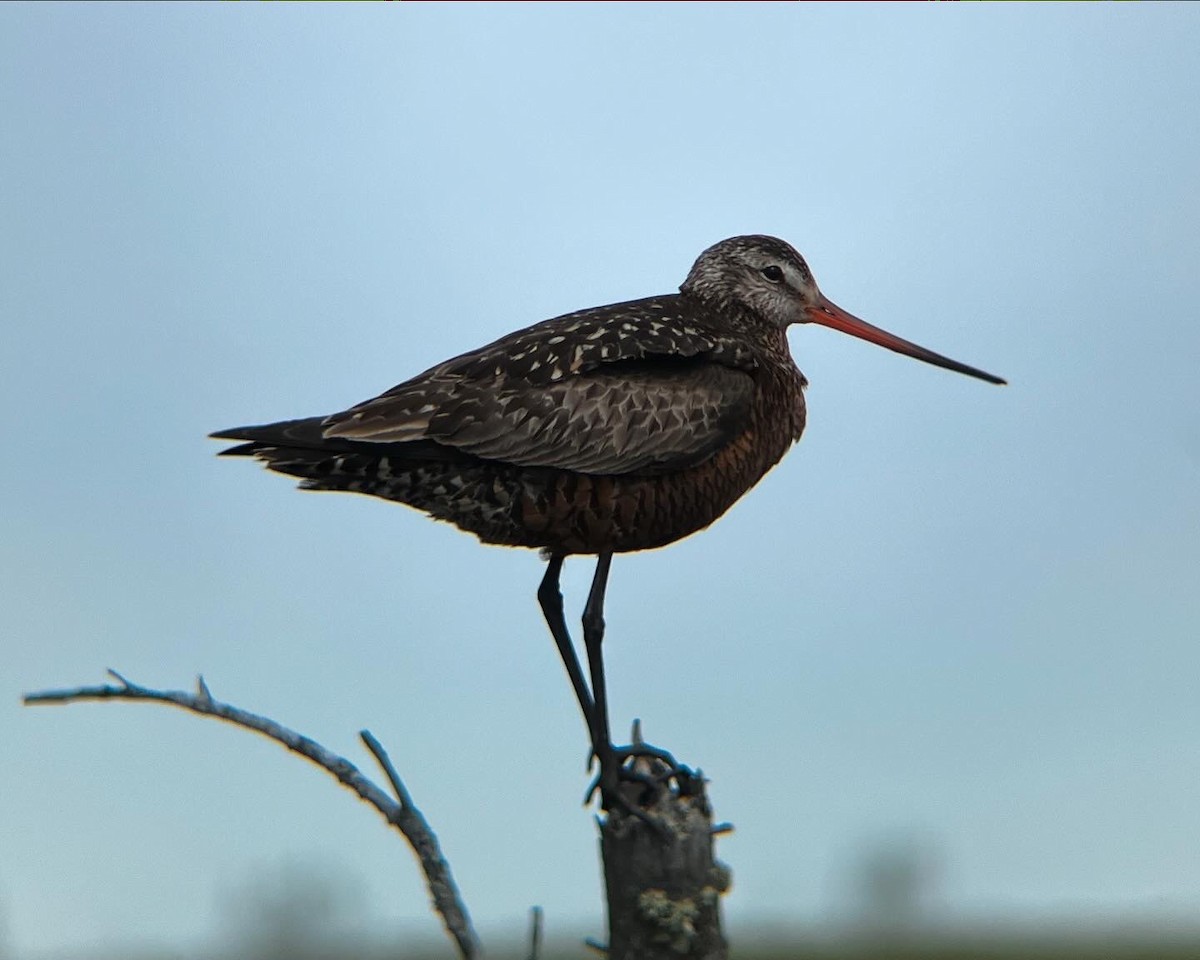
(306, 434)
(300, 448)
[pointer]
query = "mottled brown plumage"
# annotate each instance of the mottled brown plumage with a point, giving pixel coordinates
(620, 428)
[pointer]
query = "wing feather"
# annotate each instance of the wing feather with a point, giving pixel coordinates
(630, 388)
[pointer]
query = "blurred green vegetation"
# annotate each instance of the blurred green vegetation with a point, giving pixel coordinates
(991, 947)
(315, 912)
(940, 947)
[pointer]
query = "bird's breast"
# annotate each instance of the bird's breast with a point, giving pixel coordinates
(572, 512)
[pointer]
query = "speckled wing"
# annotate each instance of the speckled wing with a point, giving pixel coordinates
(631, 388)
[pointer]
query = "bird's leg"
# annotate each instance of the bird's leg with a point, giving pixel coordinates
(593, 640)
(550, 598)
(615, 762)
(594, 709)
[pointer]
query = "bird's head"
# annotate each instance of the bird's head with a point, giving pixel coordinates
(762, 275)
(767, 279)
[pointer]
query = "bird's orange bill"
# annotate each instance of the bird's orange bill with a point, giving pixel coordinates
(829, 314)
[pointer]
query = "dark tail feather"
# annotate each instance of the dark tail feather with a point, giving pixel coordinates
(306, 434)
(300, 449)
(305, 440)
(241, 450)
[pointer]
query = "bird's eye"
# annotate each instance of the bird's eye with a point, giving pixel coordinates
(772, 273)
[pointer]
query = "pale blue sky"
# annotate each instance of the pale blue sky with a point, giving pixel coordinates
(955, 612)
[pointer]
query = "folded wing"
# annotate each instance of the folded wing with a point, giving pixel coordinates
(631, 388)
(642, 416)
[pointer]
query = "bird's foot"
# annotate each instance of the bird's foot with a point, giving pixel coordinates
(631, 779)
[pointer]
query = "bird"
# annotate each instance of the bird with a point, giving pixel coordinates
(605, 431)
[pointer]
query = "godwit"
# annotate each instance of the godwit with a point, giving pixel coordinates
(619, 428)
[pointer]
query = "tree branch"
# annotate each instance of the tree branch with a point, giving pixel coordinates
(535, 933)
(400, 812)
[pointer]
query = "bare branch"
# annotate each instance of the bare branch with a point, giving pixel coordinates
(385, 764)
(401, 813)
(535, 933)
(406, 818)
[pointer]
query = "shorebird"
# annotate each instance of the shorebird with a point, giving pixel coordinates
(620, 428)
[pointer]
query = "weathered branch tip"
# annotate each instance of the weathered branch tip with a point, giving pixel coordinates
(401, 813)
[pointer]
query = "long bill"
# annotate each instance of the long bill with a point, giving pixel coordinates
(829, 314)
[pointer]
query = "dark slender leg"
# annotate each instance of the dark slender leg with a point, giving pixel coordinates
(593, 640)
(550, 597)
(613, 760)
(594, 704)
